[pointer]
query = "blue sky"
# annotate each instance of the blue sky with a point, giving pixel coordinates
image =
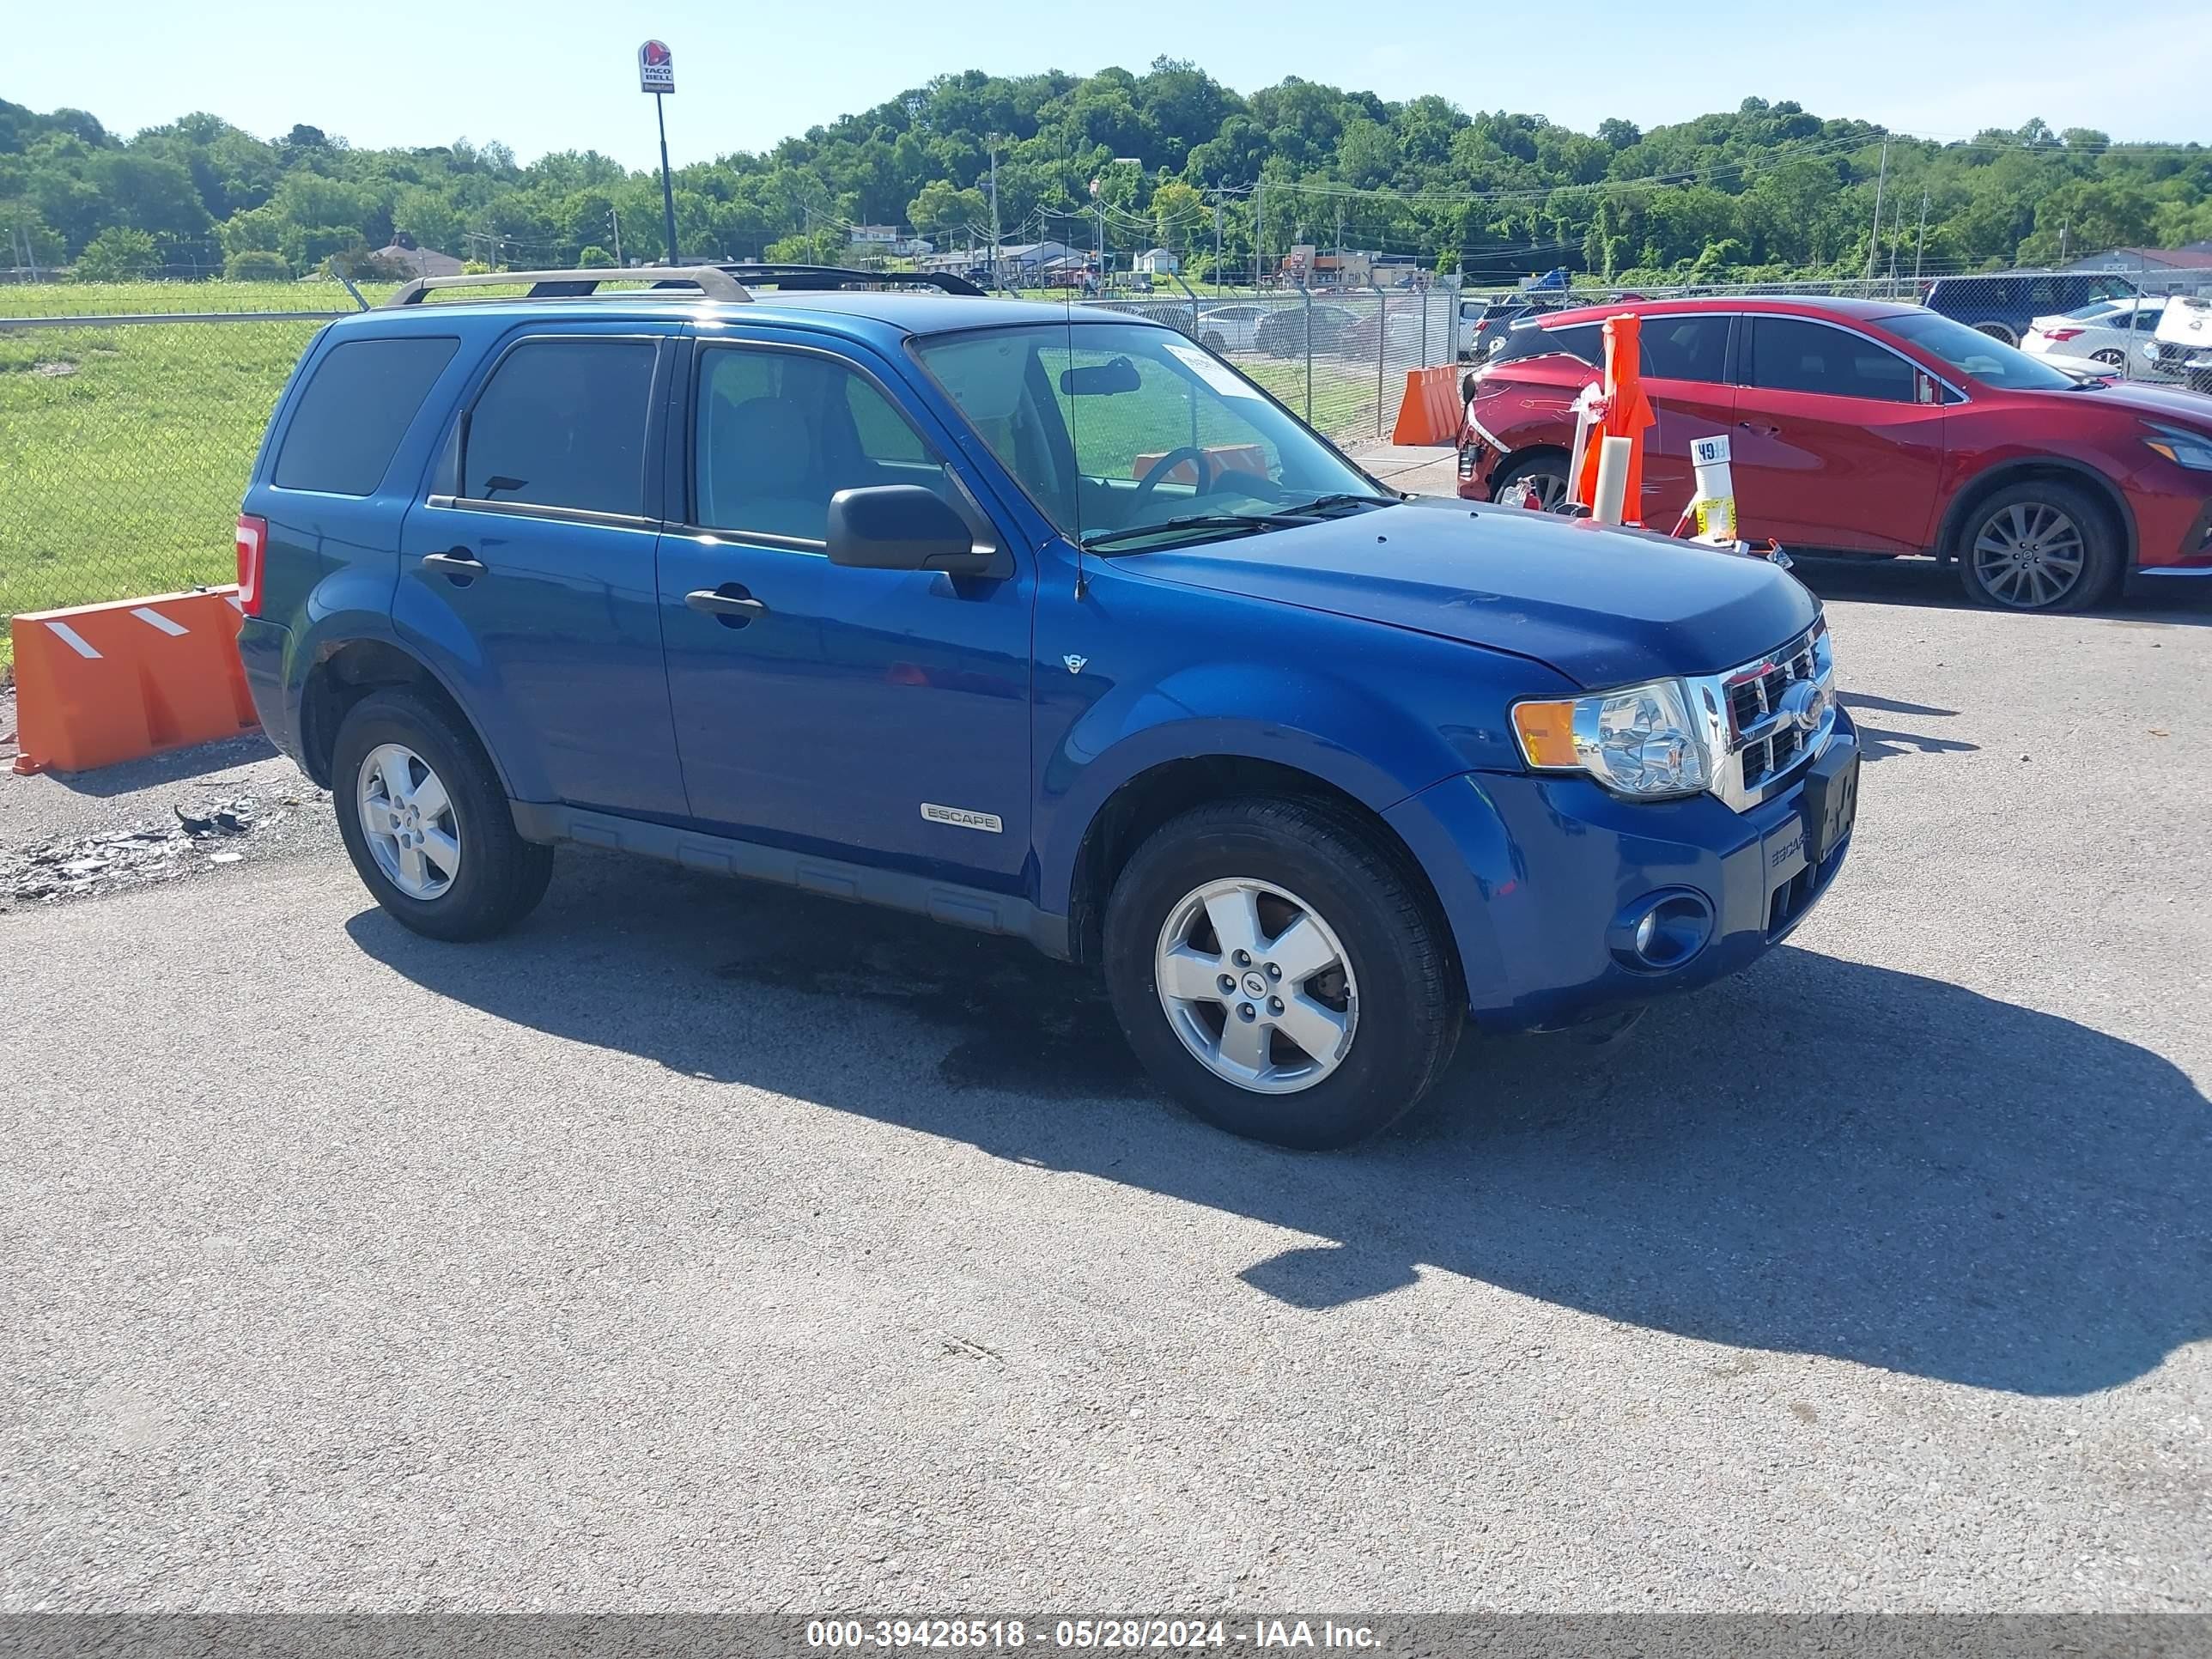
(559, 74)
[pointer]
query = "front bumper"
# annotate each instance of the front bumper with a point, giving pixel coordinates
(1540, 870)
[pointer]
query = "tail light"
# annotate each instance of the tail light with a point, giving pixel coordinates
(252, 548)
(2061, 333)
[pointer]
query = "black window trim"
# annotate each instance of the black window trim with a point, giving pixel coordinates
(685, 407)
(452, 466)
(1737, 366)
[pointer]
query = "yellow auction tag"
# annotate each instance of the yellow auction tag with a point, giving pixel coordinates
(1716, 519)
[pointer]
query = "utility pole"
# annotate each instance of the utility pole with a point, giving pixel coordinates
(2062, 229)
(1923, 247)
(1340, 242)
(614, 219)
(1217, 240)
(1873, 240)
(1258, 224)
(995, 141)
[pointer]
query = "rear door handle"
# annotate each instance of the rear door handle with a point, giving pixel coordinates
(456, 563)
(729, 604)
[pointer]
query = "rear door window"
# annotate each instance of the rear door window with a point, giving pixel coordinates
(1789, 354)
(562, 424)
(364, 396)
(1583, 340)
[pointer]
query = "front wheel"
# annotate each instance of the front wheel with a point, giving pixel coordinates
(2038, 546)
(1213, 342)
(1546, 474)
(2003, 331)
(1277, 972)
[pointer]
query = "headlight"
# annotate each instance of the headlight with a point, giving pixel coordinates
(1640, 741)
(2182, 447)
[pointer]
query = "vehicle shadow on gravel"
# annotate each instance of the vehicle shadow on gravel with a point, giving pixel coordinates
(1816, 1156)
(2181, 601)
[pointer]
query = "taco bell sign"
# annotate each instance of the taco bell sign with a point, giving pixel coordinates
(656, 68)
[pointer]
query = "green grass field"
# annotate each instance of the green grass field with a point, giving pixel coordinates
(124, 450)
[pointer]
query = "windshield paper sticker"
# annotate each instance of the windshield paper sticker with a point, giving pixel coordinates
(1210, 370)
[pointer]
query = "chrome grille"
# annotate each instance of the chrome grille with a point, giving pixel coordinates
(1763, 743)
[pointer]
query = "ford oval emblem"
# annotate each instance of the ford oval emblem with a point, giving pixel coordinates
(1802, 706)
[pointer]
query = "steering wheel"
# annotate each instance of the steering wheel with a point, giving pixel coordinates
(1209, 472)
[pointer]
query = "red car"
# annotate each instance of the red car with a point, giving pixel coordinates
(1875, 427)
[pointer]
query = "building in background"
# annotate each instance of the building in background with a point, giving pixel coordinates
(2185, 270)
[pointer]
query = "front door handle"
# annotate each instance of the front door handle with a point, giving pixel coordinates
(729, 604)
(1759, 430)
(456, 563)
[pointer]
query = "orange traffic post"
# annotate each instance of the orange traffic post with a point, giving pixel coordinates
(1623, 411)
(100, 683)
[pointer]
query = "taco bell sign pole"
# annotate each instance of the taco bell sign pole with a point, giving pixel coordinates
(656, 74)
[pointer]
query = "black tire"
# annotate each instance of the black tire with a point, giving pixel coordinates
(1989, 577)
(1213, 342)
(2111, 357)
(1410, 1003)
(1548, 468)
(502, 876)
(2004, 331)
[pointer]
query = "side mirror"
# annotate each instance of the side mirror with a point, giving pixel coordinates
(901, 527)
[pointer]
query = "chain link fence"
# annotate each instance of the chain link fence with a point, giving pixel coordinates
(1338, 356)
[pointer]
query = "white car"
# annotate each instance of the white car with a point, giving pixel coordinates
(1231, 327)
(2104, 331)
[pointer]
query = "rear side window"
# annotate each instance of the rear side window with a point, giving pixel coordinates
(351, 417)
(562, 424)
(1788, 353)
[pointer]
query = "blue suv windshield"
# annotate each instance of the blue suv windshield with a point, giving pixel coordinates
(1112, 429)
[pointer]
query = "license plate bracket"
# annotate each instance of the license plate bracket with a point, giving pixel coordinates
(1830, 802)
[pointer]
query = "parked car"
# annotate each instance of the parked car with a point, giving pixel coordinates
(2004, 306)
(2181, 347)
(2103, 330)
(1483, 325)
(932, 602)
(1284, 331)
(1869, 426)
(1231, 327)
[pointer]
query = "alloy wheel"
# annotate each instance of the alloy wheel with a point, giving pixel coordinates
(2029, 555)
(407, 819)
(1257, 986)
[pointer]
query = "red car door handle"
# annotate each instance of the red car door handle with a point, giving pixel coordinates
(1759, 430)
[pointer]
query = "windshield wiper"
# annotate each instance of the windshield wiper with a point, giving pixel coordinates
(1194, 521)
(1344, 498)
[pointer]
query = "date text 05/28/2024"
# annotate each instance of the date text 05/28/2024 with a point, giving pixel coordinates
(1124, 1634)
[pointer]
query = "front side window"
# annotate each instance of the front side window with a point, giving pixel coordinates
(1789, 354)
(779, 433)
(1970, 351)
(1110, 427)
(1685, 348)
(562, 424)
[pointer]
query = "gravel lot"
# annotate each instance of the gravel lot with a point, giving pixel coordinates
(703, 1245)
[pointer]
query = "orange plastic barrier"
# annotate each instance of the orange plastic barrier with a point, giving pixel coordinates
(1624, 412)
(107, 683)
(1429, 412)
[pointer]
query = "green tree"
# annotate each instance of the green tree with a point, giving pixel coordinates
(254, 265)
(118, 254)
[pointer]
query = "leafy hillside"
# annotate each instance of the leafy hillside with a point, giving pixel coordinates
(1764, 192)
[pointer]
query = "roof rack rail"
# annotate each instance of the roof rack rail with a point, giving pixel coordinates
(712, 282)
(799, 277)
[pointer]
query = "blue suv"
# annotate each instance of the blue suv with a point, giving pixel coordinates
(1031, 619)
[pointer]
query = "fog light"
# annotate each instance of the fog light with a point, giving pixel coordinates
(1661, 931)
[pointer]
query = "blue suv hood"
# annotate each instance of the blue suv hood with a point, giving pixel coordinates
(1605, 607)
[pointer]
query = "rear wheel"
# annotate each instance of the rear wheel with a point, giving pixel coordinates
(2038, 546)
(1545, 473)
(1999, 331)
(2111, 357)
(426, 822)
(1280, 975)
(1213, 342)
